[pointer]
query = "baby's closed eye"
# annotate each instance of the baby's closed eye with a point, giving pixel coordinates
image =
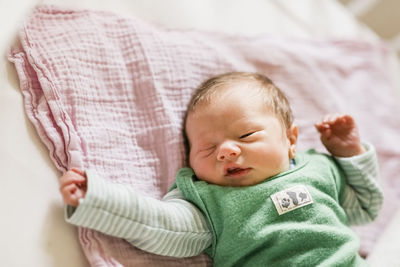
(208, 150)
(250, 135)
(246, 135)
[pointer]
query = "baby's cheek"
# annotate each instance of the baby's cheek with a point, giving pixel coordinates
(274, 159)
(202, 168)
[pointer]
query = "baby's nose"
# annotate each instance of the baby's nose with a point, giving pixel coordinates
(228, 150)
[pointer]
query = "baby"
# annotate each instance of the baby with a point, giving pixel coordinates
(248, 198)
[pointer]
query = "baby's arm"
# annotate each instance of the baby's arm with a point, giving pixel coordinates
(339, 134)
(170, 227)
(362, 197)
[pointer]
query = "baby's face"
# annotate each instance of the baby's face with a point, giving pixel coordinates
(236, 141)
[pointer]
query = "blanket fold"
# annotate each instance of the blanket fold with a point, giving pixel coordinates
(109, 93)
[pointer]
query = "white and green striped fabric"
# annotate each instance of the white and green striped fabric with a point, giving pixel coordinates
(175, 227)
(363, 197)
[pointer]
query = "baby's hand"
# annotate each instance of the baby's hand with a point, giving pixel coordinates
(73, 186)
(340, 136)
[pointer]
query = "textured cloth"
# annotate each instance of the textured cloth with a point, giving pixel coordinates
(250, 230)
(175, 227)
(108, 92)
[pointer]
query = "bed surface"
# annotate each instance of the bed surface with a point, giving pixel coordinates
(32, 227)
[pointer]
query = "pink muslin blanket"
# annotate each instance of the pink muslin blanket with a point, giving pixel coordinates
(109, 93)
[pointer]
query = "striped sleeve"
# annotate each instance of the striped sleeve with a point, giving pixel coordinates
(362, 198)
(169, 227)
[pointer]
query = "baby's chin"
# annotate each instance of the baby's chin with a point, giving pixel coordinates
(223, 181)
(250, 181)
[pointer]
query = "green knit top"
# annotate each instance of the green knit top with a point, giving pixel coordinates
(291, 219)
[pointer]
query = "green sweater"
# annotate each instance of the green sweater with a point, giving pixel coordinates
(312, 229)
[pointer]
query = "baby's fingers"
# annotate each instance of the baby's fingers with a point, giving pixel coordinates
(325, 135)
(71, 177)
(69, 189)
(78, 171)
(347, 120)
(68, 193)
(321, 127)
(326, 122)
(339, 120)
(332, 119)
(71, 194)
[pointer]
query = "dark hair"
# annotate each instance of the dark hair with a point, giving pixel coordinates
(273, 97)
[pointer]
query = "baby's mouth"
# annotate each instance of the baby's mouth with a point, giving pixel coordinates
(236, 172)
(233, 170)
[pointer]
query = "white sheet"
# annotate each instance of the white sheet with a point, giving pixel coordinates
(387, 251)
(33, 232)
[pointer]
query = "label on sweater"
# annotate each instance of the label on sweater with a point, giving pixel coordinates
(291, 199)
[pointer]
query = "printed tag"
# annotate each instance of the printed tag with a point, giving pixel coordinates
(291, 199)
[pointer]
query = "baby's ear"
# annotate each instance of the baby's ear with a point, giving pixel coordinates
(292, 133)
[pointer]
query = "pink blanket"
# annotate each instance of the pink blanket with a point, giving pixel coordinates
(109, 93)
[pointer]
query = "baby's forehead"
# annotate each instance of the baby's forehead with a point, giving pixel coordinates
(226, 94)
(230, 106)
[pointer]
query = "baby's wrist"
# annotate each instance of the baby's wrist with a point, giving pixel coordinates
(361, 150)
(350, 151)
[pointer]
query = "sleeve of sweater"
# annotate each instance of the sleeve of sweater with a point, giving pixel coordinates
(170, 227)
(362, 197)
